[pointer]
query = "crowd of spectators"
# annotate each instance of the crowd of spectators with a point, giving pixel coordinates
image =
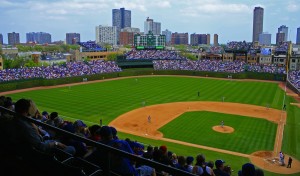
(294, 78)
(91, 46)
(20, 132)
(153, 54)
(70, 69)
(53, 56)
(215, 50)
(216, 66)
(266, 68)
(282, 47)
(234, 45)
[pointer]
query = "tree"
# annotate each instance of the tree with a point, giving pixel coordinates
(112, 56)
(7, 63)
(30, 63)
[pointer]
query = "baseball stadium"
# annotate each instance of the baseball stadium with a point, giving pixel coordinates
(234, 111)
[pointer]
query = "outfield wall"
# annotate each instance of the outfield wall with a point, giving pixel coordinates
(22, 84)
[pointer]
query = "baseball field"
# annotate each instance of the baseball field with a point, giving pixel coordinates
(183, 120)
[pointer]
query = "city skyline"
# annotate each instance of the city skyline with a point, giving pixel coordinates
(232, 21)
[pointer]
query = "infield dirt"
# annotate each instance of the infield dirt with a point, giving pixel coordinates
(136, 122)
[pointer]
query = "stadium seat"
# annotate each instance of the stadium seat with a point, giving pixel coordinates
(61, 155)
(88, 168)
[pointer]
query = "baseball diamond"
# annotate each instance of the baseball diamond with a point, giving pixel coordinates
(172, 100)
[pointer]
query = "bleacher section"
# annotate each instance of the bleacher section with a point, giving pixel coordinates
(152, 54)
(90, 46)
(70, 69)
(294, 79)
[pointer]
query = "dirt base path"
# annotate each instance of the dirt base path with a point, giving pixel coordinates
(136, 122)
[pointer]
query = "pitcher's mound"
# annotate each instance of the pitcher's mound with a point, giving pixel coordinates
(225, 129)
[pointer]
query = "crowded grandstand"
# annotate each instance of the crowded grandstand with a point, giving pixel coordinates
(69, 69)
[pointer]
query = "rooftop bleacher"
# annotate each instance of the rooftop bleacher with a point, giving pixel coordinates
(91, 46)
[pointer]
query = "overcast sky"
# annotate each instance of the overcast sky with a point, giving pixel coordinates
(230, 19)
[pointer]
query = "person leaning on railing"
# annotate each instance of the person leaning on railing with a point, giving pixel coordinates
(28, 133)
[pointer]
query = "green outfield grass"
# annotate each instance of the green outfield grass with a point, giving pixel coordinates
(248, 137)
(108, 100)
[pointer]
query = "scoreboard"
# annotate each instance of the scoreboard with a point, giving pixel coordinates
(149, 41)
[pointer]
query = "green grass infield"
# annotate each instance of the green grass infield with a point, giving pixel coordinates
(250, 134)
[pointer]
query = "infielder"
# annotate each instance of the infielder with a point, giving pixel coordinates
(149, 119)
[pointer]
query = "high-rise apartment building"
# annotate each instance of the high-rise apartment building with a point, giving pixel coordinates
(38, 37)
(198, 39)
(279, 38)
(180, 38)
(106, 35)
(208, 39)
(72, 38)
(168, 35)
(285, 30)
(1, 39)
(216, 40)
(202, 39)
(154, 27)
(194, 38)
(298, 36)
(121, 18)
(265, 39)
(13, 38)
(258, 23)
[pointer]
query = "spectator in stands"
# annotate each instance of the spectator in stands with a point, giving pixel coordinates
(189, 164)
(28, 132)
(114, 132)
(200, 167)
(259, 172)
(227, 169)
(8, 104)
(149, 153)
(219, 171)
(95, 132)
(210, 164)
(181, 163)
(45, 116)
(145, 171)
(59, 122)
(52, 116)
(174, 159)
(120, 165)
(81, 128)
(164, 156)
(248, 169)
